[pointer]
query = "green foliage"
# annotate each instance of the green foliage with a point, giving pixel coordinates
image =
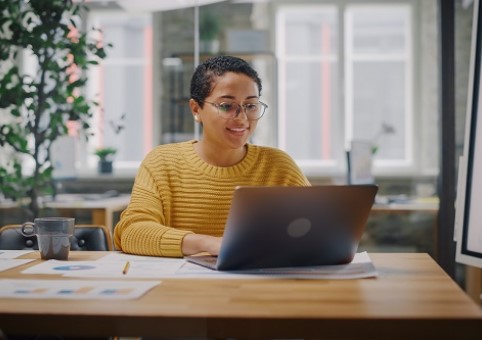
(38, 106)
(208, 26)
(104, 153)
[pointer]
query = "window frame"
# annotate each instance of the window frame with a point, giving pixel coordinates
(320, 168)
(383, 164)
(88, 160)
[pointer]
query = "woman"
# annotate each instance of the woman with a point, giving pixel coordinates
(182, 192)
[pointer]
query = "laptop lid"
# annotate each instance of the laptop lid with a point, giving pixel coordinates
(293, 226)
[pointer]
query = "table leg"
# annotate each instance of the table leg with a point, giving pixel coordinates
(473, 283)
(99, 217)
(109, 219)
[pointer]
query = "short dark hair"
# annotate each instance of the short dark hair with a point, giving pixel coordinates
(205, 74)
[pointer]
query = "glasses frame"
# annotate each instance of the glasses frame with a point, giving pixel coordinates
(238, 111)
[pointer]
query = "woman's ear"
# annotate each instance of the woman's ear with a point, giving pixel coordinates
(195, 109)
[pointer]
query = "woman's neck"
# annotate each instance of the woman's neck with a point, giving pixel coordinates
(220, 157)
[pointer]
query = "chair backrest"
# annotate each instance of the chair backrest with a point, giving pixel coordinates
(86, 237)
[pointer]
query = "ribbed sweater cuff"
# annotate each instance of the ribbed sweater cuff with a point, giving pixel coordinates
(172, 241)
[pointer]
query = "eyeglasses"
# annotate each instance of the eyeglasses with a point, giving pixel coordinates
(229, 110)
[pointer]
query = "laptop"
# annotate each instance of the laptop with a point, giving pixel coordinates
(270, 227)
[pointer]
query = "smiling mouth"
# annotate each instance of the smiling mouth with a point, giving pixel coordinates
(237, 129)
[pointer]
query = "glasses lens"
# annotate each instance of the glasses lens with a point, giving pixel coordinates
(252, 110)
(227, 108)
(231, 110)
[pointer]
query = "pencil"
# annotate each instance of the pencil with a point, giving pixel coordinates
(126, 268)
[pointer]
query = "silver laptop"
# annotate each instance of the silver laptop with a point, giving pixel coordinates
(292, 226)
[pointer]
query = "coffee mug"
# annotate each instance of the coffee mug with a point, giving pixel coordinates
(53, 236)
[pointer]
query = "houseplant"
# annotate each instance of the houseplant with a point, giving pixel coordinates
(106, 154)
(105, 159)
(385, 129)
(36, 108)
(209, 28)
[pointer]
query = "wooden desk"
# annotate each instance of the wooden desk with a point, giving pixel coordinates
(102, 209)
(412, 298)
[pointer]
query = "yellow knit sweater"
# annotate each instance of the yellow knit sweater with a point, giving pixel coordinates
(175, 193)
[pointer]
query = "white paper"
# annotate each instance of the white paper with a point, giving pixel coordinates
(6, 263)
(137, 269)
(56, 267)
(11, 254)
(360, 267)
(123, 257)
(109, 269)
(74, 289)
(160, 267)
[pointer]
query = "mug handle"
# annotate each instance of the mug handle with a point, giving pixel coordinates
(25, 226)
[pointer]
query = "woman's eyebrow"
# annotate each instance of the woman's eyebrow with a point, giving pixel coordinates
(232, 97)
(227, 97)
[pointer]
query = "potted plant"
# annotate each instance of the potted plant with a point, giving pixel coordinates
(36, 108)
(209, 29)
(106, 154)
(385, 129)
(105, 159)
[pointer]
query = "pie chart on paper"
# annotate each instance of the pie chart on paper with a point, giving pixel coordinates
(74, 267)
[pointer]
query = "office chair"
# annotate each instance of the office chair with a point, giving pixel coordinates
(86, 237)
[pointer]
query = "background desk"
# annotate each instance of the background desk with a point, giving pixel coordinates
(403, 227)
(410, 206)
(102, 209)
(411, 299)
(473, 276)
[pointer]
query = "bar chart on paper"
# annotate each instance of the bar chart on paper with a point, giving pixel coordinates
(74, 289)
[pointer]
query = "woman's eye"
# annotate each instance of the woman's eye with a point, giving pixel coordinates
(251, 107)
(226, 107)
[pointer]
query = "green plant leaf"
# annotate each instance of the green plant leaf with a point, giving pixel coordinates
(43, 102)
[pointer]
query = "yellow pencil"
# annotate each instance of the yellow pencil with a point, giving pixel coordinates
(126, 268)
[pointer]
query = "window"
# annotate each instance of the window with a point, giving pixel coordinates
(344, 70)
(345, 73)
(122, 85)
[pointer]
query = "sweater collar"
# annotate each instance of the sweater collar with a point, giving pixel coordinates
(236, 170)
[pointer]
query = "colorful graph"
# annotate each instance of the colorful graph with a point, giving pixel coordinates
(74, 267)
(74, 289)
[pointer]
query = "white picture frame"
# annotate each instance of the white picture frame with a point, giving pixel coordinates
(468, 212)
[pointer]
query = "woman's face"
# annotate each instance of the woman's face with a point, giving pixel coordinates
(235, 132)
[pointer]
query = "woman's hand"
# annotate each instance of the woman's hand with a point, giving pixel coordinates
(198, 243)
